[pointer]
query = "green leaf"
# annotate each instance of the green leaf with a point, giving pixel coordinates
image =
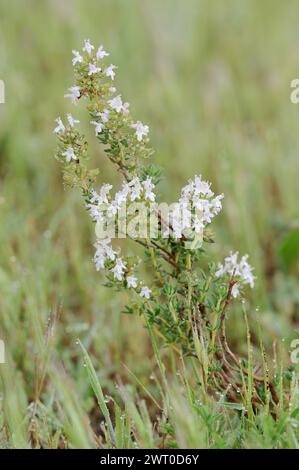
(96, 386)
(233, 406)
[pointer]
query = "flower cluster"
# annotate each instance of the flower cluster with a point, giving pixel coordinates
(72, 152)
(102, 205)
(141, 130)
(110, 114)
(107, 258)
(126, 139)
(196, 208)
(61, 128)
(239, 271)
(204, 204)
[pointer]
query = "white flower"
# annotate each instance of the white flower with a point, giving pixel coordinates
(102, 197)
(132, 281)
(101, 53)
(121, 197)
(112, 89)
(145, 292)
(240, 271)
(95, 207)
(99, 258)
(94, 197)
(103, 252)
(148, 185)
(88, 47)
(217, 204)
(95, 212)
(104, 192)
(141, 130)
(72, 121)
(98, 126)
(180, 220)
(186, 216)
(69, 154)
(135, 189)
(203, 206)
(230, 265)
(150, 196)
(74, 94)
(78, 59)
(186, 192)
(197, 224)
(116, 103)
(92, 69)
(202, 187)
(109, 72)
(106, 244)
(235, 290)
(119, 269)
(104, 115)
(112, 209)
(125, 108)
(246, 271)
(60, 127)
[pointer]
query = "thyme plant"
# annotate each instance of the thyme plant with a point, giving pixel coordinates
(188, 299)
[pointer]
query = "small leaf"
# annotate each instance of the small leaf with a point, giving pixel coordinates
(96, 386)
(233, 406)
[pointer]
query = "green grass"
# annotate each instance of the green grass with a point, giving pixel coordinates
(212, 80)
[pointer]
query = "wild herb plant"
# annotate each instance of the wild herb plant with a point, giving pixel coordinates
(188, 299)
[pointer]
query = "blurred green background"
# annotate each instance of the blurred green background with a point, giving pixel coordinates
(212, 80)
